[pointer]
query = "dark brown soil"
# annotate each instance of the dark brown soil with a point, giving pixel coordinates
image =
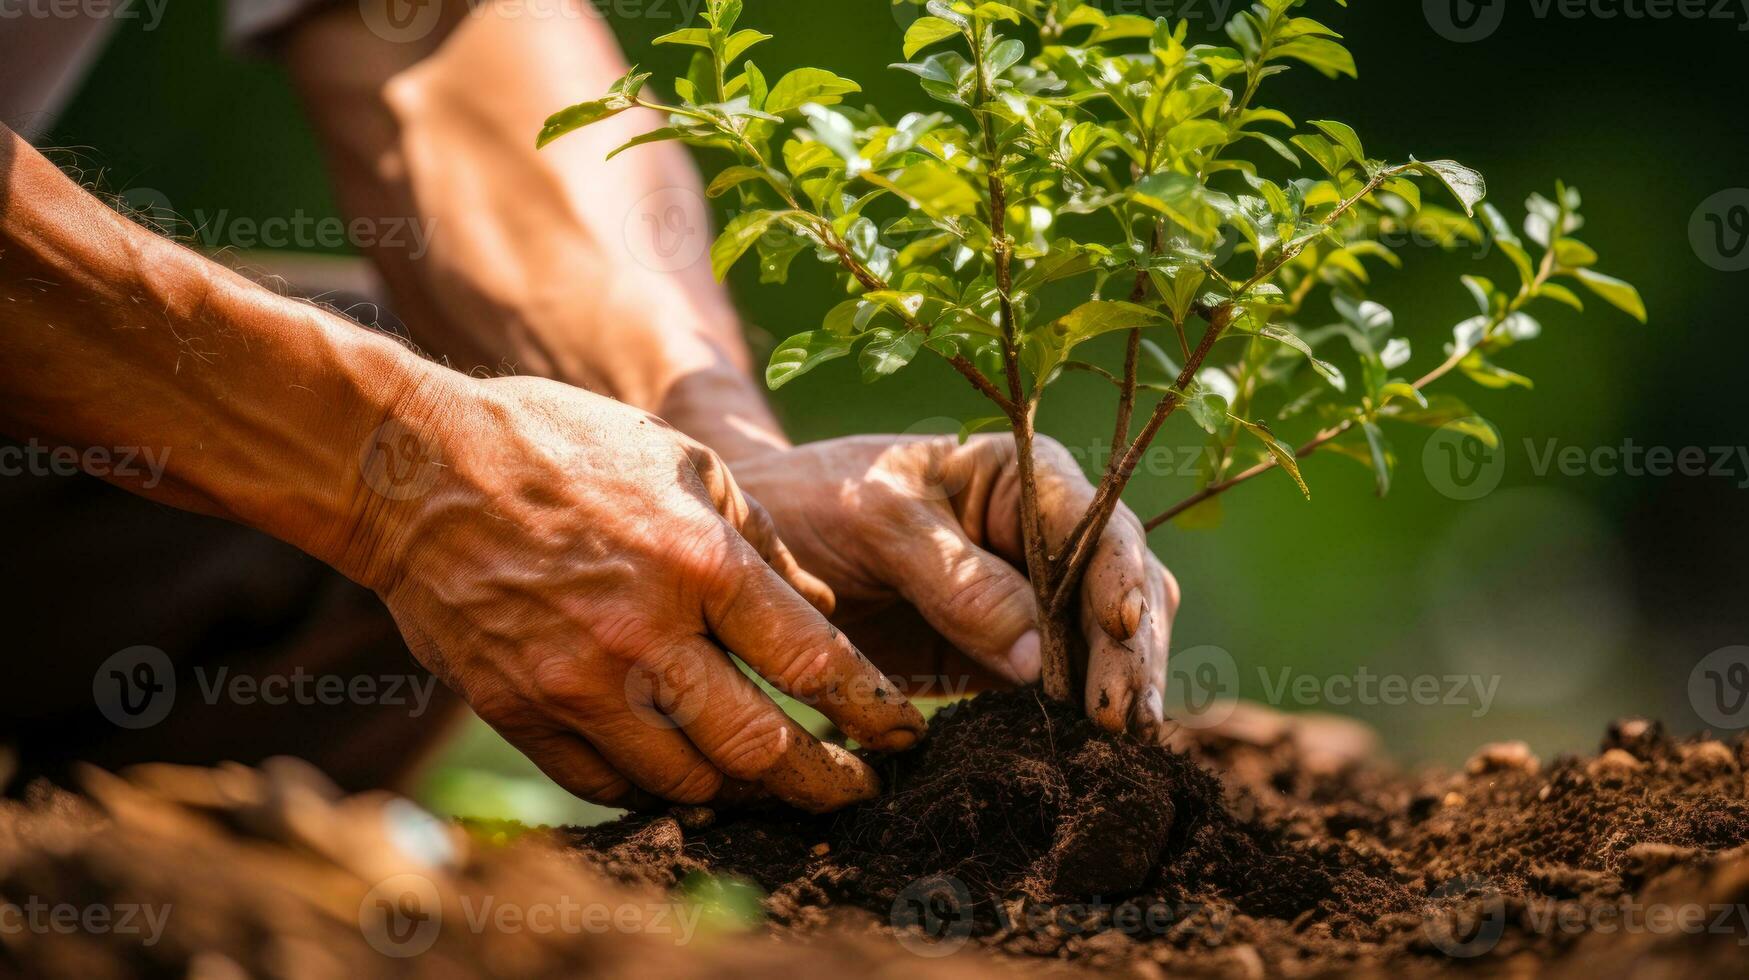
(1019, 827)
(1016, 837)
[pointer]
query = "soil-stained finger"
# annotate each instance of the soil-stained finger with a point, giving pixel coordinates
(755, 614)
(750, 739)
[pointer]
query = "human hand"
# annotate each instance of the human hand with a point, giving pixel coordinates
(578, 571)
(919, 537)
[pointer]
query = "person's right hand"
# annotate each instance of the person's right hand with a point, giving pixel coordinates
(579, 571)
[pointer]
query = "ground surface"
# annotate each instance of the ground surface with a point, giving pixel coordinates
(1015, 837)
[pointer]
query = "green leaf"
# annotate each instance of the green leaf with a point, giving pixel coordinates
(887, 351)
(805, 85)
(737, 237)
(1445, 411)
(735, 176)
(739, 42)
(653, 136)
(1282, 452)
(1382, 460)
(1345, 137)
(1327, 370)
(1561, 294)
(1465, 184)
(1208, 409)
(1615, 292)
(575, 117)
(698, 37)
(802, 353)
(1102, 316)
(974, 426)
(926, 31)
(1327, 56)
(1571, 253)
(934, 188)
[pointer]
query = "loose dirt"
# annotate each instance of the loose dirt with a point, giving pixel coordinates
(1017, 837)
(1019, 828)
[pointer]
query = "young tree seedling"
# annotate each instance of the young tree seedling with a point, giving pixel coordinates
(1097, 173)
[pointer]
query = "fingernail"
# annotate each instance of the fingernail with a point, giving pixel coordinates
(897, 740)
(1134, 604)
(1024, 658)
(1154, 706)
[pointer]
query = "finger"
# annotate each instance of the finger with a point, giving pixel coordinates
(580, 770)
(764, 622)
(636, 737)
(761, 533)
(977, 600)
(1150, 712)
(1116, 671)
(749, 738)
(1117, 576)
(1126, 680)
(756, 526)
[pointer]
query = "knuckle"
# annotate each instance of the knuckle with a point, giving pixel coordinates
(752, 750)
(698, 784)
(561, 682)
(1174, 596)
(980, 593)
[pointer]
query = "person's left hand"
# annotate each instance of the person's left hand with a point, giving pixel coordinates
(920, 539)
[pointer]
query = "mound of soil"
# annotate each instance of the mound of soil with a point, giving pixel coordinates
(1016, 836)
(1019, 827)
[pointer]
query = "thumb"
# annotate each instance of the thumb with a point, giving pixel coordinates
(975, 599)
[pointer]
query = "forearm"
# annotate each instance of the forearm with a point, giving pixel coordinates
(259, 406)
(533, 263)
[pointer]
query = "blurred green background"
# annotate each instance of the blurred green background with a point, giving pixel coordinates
(1587, 597)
